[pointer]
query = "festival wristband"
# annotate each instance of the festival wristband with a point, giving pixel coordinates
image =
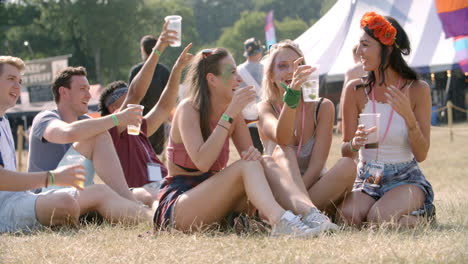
(157, 52)
(227, 118)
(51, 178)
(351, 146)
(114, 118)
(291, 97)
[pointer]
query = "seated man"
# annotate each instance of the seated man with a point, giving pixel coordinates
(139, 161)
(53, 133)
(21, 210)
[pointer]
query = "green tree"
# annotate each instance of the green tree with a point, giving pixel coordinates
(304, 10)
(249, 25)
(211, 16)
(290, 28)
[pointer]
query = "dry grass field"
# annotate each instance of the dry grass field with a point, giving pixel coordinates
(446, 242)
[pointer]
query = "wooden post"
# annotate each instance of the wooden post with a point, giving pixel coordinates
(19, 152)
(450, 118)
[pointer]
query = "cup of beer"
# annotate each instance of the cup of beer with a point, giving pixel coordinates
(76, 160)
(132, 129)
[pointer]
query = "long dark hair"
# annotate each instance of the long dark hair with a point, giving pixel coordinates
(395, 60)
(206, 61)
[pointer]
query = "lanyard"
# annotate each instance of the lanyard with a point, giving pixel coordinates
(389, 120)
(146, 150)
(302, 131)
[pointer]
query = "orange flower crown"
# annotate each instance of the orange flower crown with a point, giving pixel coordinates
(383, 30)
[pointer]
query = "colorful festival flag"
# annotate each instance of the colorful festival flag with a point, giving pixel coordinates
(454, 17)
(270, 34)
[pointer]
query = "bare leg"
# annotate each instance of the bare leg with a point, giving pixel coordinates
(101, 151)
(57, 209)
(395, 203)
(148, 196)
(288, 189)
(214, 198)
(285, 157)
(333, 185)
(111, 206)
(354, 209)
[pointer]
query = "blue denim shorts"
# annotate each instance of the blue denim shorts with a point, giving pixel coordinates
(394, 175)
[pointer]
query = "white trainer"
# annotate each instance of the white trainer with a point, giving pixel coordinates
(292, 226)
(318, 221)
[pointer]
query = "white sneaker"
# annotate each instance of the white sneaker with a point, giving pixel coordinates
(291, 225)
(318, 221)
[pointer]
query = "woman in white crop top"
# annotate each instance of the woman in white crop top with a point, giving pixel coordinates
(389, 186)
(299, 137)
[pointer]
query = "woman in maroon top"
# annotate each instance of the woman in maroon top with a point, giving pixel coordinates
(200, 188)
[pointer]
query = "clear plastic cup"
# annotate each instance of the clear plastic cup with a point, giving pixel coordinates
(310, 88)
(132, 129)
(175, 23)
(75, 160)
(370, 121)
(250, 111)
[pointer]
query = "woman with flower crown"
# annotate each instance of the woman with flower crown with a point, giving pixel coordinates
(389, 187)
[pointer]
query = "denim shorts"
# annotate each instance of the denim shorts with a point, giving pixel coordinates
(172, 187)
(394, 175)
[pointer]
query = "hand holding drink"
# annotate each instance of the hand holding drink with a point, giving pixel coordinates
(70, 175)
(310, 88)
(371, 124)
(175, 24)
(134, 129)
(77, 160)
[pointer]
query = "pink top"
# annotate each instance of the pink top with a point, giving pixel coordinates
(177, 153)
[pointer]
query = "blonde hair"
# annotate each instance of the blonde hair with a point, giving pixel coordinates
(13, 61)
(270, 91)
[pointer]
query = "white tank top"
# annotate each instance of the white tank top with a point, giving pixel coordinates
(396, 147)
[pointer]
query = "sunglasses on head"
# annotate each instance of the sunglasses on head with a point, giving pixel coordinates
(206, 53)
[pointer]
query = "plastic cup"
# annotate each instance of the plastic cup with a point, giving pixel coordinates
(175, 23)
(75, 160)
(310, 88)
(250, 111)
(369, 121)
(132, 129)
